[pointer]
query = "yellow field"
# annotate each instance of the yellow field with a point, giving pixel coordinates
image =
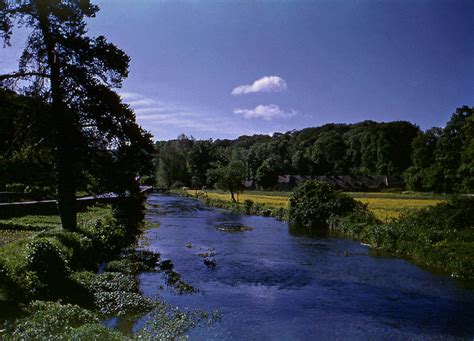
(386, 208)
(383, 205)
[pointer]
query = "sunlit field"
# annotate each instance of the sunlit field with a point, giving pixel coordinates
(383, 205)
(13, 229)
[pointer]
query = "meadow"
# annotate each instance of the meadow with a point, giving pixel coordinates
(27, 227)
(385, 206)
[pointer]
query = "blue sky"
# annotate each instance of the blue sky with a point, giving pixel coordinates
(297, 63)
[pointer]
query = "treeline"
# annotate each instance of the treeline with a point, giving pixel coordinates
(437, 160)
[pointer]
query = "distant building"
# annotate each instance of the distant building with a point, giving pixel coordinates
(344, 182)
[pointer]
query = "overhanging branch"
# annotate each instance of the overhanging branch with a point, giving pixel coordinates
(23, 75)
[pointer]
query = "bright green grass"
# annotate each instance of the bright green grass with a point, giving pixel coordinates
(14, 229)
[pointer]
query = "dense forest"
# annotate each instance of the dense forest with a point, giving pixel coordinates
(435, 160)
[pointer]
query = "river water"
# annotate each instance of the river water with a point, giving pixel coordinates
(270, 284)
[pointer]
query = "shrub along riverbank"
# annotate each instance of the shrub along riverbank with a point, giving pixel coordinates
(50, 288)
(439, 236)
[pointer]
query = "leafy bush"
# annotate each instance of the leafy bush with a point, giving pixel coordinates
(313, 202)
(19, 283)
(107, 236)
(248, 206)
(77, 248)
(354, 224)
(15, 187)
(47, 261)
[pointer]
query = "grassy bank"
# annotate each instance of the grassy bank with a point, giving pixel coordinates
(430, 230)
(441, 236)
(50, 288)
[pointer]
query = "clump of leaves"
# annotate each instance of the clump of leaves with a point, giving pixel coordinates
(56, 321)
(114, 293)
(313, 202)
(47, 261)
(174, 280)
(119, 303)
(135, 262)
(168, 323)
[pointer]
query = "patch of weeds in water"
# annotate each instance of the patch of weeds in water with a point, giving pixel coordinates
(174, 280)
(166, 265)
(135, 262)
(168, 323)
(210, 253)
(210, 263)
(151, 225)
(232, 227)
(120, 303)
(114, 293)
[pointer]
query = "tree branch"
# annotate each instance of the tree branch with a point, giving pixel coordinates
(23, 75)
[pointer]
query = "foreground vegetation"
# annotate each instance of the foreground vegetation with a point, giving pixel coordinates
(49, 281)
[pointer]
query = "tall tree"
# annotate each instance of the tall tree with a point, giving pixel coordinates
(75, 75)
(230, 177)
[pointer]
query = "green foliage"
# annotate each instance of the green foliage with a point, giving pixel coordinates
(440, 236)
(113, 293)
(230, 177)
(94, 332)
(31, 268)
(248, 206)
(47, 261)
(169, 323)
(443, 159)
(267, 174)
(134, 263)
(80, 132)
(56, 321)
(107, 236)
(30, 222)
(80, 250)
(314, 202)
(367, 148)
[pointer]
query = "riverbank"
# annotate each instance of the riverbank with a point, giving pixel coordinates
(50, 286)
(428, 231)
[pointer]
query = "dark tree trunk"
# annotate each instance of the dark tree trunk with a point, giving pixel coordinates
(65, 178)
(63, 129)
(232, 196)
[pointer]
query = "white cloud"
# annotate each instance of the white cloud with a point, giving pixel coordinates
(129, 96)
(161, 117)
(264, 84)
(267, 112)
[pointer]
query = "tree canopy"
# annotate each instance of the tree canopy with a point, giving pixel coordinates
(91, 132)
(437, 160)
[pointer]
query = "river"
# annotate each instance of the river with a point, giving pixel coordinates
(270, 284)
